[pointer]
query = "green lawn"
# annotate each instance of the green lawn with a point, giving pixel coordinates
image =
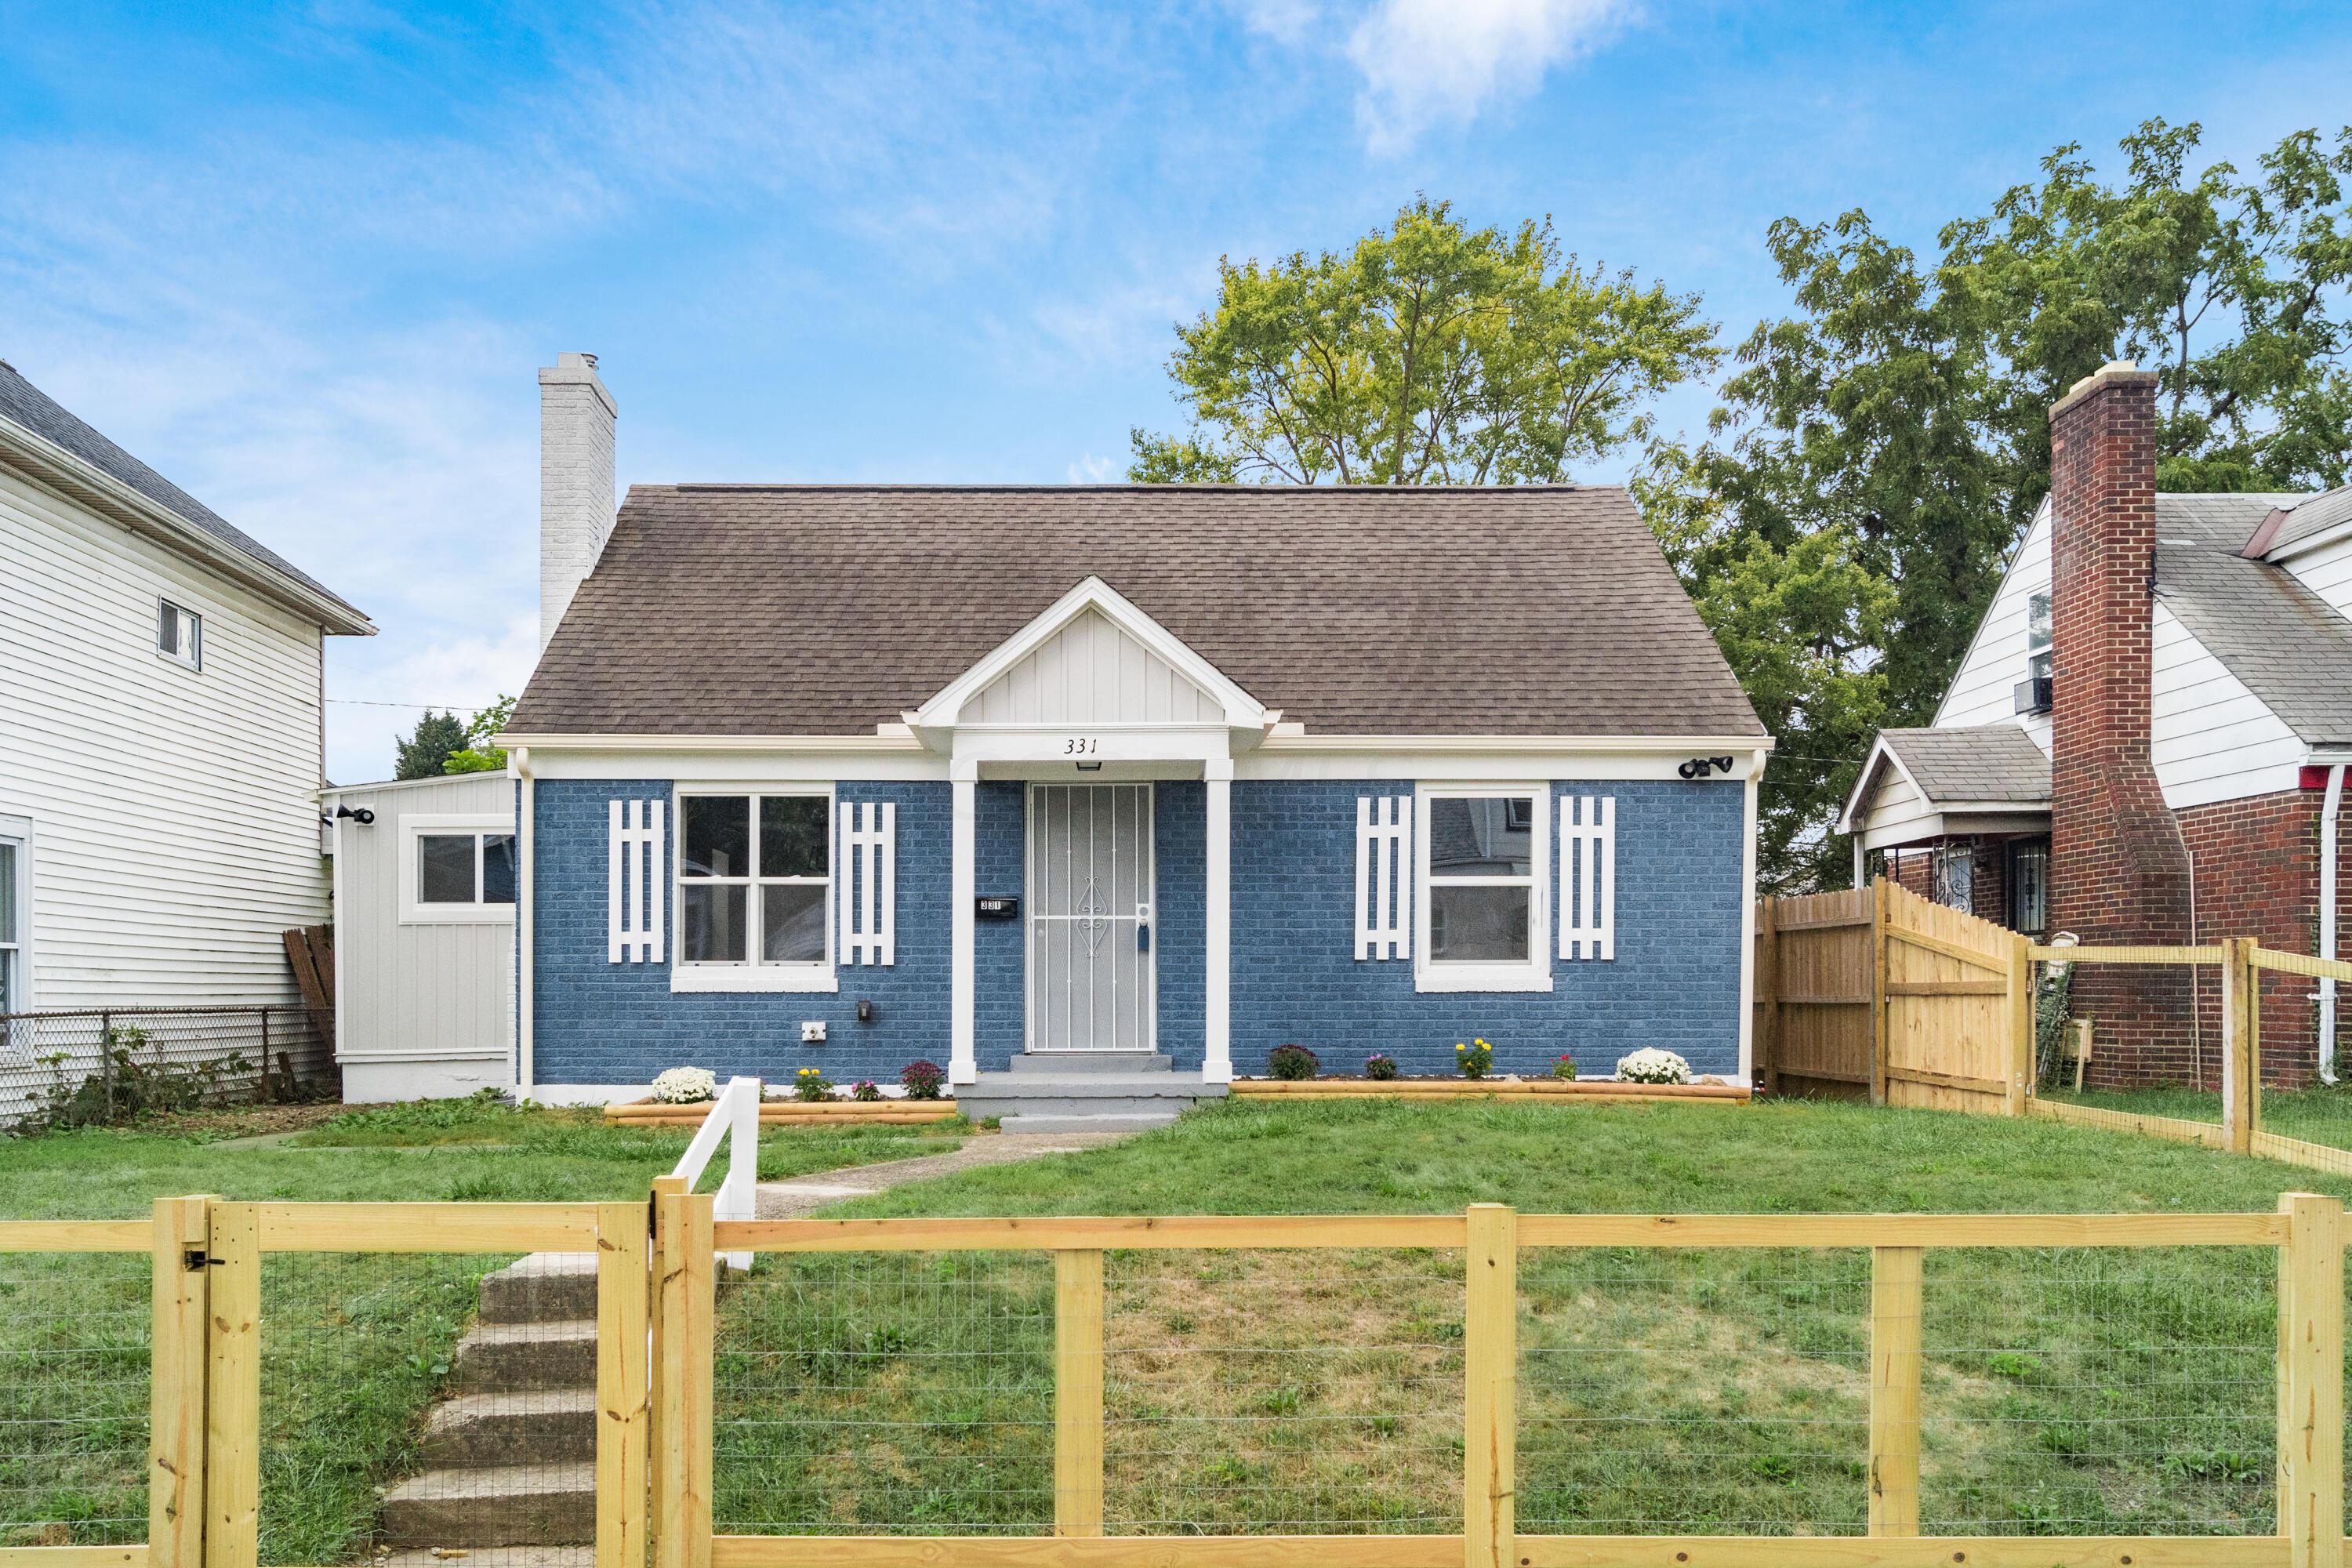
(355, 1347)
(2314, 1115)
(2067, 1391)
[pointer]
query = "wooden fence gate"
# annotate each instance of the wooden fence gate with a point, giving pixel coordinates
(1876, 991)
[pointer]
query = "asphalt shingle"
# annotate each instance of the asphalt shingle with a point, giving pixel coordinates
(1977, 763)
(795, 610)
(2290, 647)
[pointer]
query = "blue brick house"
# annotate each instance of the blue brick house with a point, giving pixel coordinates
(1016, 777)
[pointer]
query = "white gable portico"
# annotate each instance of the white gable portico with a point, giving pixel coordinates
(1092, 691)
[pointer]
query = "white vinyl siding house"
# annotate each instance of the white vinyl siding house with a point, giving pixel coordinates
(161, 736)
(1984, 690)
(170, 805)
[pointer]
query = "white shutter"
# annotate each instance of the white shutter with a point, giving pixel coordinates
(634, 879)
(1588, 876)
(1383, 876)
(866, 881)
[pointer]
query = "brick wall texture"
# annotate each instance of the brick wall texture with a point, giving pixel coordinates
(2119, 865)
(1674, 982)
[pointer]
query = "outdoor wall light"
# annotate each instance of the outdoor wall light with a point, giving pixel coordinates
(360, 814)
(1700, 767)
(865, 1009)
(1089, 767)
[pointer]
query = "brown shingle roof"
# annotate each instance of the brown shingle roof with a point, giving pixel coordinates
(783, 610)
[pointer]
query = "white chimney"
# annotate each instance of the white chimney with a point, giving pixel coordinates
(575, 481)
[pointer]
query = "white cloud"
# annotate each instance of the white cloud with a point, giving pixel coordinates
(1427, 63)
(1093, 469)
(1284, 21)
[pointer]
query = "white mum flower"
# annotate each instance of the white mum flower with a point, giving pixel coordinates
(685, 1085)
(1651, 1064)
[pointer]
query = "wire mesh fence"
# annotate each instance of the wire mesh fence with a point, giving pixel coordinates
(886, 1393)
(427, 1405)
(104, 1066)
(74, 1332)
(1694, 1392)
(2099, 1391)
(1309, 1392)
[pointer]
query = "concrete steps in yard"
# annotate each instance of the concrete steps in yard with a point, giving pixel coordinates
(1085, 1091)
(511, 1459)
(498, 1505)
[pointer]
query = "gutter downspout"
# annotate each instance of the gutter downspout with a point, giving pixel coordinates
(2328, 813)
(520, 758)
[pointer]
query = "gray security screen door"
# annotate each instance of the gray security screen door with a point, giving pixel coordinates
(1090, 890)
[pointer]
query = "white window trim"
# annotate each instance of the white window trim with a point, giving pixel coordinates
(193, 659)
(415, 911)
(1534, 973)
(749, 973)
(18, 831)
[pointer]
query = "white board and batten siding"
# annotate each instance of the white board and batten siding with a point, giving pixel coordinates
(173, 811)
(425, 1008)
(1092, 672)
(870, 882)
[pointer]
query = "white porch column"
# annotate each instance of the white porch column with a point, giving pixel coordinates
(963, 775)
(1217, 1010)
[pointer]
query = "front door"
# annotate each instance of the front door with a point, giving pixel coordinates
(1090, 898)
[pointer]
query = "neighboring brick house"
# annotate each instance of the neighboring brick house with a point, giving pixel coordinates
(2145, 743)
(1029, 779)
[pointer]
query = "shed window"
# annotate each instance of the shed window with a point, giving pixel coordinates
(754, 876)
(465, 869)
(1483, 913)
(179, 634)
(455, 869)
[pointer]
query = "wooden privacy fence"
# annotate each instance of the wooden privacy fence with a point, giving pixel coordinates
(1879, 992)
(656, 1295)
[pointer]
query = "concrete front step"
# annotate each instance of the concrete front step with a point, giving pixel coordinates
(1054, 1121)
(1065, 1064)
(524, 1426)
(507, 1505)
(498, 1358)
(544, 1288)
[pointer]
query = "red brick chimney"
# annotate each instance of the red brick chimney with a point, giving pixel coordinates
(2119, 870)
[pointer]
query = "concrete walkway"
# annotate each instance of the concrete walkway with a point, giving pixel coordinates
(806, 1194)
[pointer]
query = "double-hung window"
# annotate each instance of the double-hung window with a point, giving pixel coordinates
(179, 634)
(2038, 640)
(15, 981)
(456, 870)
(754, 891)
(1482, 905)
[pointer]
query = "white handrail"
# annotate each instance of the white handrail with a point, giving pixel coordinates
(734, 1116)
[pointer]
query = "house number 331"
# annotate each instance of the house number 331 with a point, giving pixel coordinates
(1079, 746)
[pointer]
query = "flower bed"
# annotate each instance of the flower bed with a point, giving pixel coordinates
(1489, 1088)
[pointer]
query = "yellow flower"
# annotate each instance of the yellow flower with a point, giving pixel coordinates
(1459, 1046)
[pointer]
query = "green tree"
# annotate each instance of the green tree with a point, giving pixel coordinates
(1428, 353)
(422, 750)
(478, 755)
(1895, 423)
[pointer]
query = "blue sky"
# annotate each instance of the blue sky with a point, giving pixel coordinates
(306, 259)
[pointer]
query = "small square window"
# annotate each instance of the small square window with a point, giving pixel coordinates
(459, 870)
(179, 634)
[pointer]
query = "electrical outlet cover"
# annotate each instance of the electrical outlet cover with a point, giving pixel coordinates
(813, 1032)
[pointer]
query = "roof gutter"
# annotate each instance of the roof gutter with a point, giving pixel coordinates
(53, 468)
(897, 738)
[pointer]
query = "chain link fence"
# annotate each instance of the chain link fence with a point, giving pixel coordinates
(99, 1066)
